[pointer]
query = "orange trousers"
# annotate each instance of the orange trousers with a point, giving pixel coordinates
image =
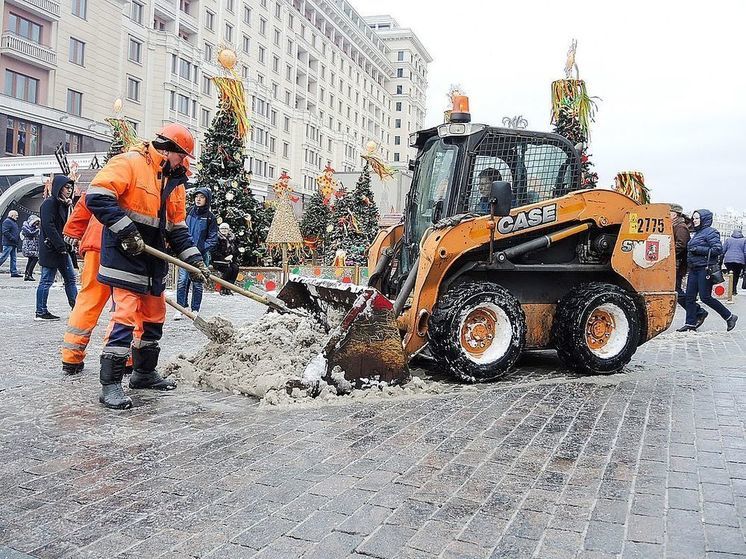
(91, 301)
(137, 321)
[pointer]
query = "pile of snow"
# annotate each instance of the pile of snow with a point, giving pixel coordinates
(279, 360)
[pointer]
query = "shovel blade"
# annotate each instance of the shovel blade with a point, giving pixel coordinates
(367, 344)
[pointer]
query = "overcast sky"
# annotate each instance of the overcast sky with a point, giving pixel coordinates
(671, 77)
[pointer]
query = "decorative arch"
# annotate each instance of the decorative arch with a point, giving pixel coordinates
(17, 191)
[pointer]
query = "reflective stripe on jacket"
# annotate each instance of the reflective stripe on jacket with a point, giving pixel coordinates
(131, 194)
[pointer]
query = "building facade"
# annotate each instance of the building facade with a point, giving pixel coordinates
(321, 80)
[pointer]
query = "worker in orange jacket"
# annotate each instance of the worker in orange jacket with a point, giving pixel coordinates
(139, 197)
(84, 231)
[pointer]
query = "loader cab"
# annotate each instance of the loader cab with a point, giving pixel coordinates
(454, 159)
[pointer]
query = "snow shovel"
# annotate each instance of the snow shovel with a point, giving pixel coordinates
(216, 329)
(367, 344)
(256, 294)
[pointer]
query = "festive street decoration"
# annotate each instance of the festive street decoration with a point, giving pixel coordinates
(632, 184)
(327, 184)
(453, 91)
(284, 233)
(378, 165)
(353, 224)
(124, 135)
(232, 91)
(221, 169)
(573, 110)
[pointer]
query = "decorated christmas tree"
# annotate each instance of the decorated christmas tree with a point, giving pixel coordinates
(353, 224)
(317, 211)
(221, 168)
(573, 110)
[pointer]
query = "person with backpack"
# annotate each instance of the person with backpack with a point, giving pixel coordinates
(30, 245)
(203, 229)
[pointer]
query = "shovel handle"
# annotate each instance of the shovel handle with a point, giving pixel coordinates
(186, 312)
(220, 281)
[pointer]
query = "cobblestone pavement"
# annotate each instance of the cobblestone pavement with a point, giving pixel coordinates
(649, 463)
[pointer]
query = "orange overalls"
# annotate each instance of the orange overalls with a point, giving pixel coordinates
(93, 295)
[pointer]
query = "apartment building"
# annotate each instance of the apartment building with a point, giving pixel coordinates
(321, 82)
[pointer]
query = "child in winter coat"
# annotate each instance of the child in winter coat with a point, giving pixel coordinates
(30, 245)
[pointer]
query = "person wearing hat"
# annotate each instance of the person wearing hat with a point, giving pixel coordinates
(681, 238)
(226, 256)
(140, 199)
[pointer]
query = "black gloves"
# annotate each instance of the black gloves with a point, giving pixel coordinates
(133, 244)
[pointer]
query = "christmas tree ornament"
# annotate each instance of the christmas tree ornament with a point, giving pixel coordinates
(234, 184)
(229, 196)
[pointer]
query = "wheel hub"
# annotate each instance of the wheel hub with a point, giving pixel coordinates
(599, 328)
(478, 331)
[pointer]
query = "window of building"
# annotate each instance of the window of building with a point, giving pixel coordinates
(276, 64)
(275, 90)
(398, 105)
(158, 24)
(209, 20)
(21, 137)
(397, 140)
(286, 124)
(288, 72)
(396, 156)
(133, 89)
(185, 6)
(399, 89)
(206, 85)
(397, 123)
(400, 56)
(262, 52)
(228, 33)
(21, 86)
(273, 118)
(262, 26)
(245, 72)
(182, 104)
(80, 8)
(287, 97)
(74, 102)
(285, 149)
(229, 5)
(260, 79)
(204, 118)
(400, 72)
(276, 39)
(246, 15)
(135, 51)
(271, 144)
(24, 27)
(136, 12)
(290, 47)
(263, 3)
(77, 52)
(208, 52)
(246, 44)
(277, 10)
(73, 142)
(291, 21)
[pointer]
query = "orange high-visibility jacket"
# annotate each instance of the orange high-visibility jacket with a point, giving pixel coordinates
(133, 194)
(82, 225)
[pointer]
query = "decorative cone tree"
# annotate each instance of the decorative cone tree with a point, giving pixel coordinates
(221, 166)
(284, 232)
(315, 219)
(124, 137)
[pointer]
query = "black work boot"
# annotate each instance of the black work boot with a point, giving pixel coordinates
(144, 362)
(72, 368)
(112, 394)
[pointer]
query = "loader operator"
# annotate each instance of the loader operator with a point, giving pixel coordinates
(485, 180)
(139, 197)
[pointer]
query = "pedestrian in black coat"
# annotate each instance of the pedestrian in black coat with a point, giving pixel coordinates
(11, 242)
(53, 251)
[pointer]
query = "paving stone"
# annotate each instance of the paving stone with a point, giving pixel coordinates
(604, 536)
(645, 529)
(365, 520)
(386, 542)
(336, 544)
(317, 526)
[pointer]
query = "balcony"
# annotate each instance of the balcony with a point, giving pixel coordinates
(47, 9)
(28, 51)
(166, 9)
(188, 22)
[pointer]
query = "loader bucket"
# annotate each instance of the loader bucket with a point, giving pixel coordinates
(366, 345)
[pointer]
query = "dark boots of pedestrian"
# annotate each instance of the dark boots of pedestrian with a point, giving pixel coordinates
(144, 375)
(731, 322)
(72, 368)
(112, 394)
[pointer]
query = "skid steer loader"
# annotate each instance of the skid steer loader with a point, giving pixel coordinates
(501, 250)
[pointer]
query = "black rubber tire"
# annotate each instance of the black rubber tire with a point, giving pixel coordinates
(568, 332)
(444, 335)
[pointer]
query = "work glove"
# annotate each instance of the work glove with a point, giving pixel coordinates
(72, 242)
(204, 272)
(133, 244)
